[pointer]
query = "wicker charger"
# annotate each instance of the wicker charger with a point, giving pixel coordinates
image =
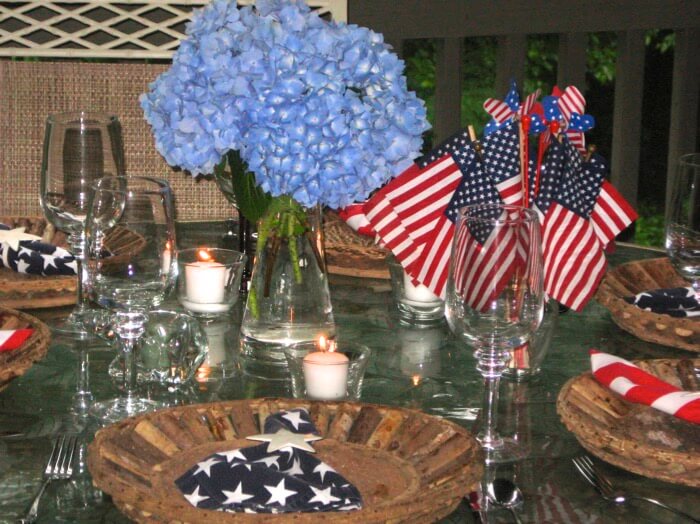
(21, 291)
(16, 362)
(408, 466)
(603, 422)
(634, 277)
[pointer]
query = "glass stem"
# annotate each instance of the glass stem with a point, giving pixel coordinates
(77, 246)
(82, 400)
(129, 327)
(492, 362)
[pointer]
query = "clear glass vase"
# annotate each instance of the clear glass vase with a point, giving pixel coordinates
(288, 300)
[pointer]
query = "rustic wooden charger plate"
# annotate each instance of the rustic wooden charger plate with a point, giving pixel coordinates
(351, 254)
(596, 416)
(408, 466)
(644, 275)
(16, 362)
(20, 291)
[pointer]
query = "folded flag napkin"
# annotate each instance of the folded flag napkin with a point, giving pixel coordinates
(637, 385)
(13, 338)
(676, 302)
(270, 478)
(25, 253)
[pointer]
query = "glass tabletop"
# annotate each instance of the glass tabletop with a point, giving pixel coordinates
(432, 372)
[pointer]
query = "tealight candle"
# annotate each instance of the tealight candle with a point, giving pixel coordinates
(418, 293)
(326, 373)
(205, 284)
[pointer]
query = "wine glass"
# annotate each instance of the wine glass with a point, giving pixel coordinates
(137, 214)
(683, 220)
(494, 299)
(79, 148)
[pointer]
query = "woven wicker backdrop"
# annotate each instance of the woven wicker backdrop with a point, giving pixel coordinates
(30, 91)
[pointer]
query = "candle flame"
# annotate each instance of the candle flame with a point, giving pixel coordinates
(203, 255)
(326, 344)
(416, 379)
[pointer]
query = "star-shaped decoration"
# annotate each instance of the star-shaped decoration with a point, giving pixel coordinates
(13, 237)
(279, 493)
(237, 496)
(285, 438)
(195, 498)
(206, 465)
(323, 496)
(322, 469)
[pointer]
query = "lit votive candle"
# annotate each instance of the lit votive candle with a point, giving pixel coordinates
(326, 373)
(418, 293)
(205, 284)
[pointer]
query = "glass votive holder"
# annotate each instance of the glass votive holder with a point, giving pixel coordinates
(336, 374)
(416, 304)
(171, 349)
(209, 280)
(526, 361)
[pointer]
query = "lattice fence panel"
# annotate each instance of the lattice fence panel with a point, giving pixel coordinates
(107, 28)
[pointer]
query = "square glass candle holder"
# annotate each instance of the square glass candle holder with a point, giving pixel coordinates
(334, 374)
(416, 304)
(209, 280)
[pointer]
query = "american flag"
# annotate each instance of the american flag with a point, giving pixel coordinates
(493, 178)
(574, 261)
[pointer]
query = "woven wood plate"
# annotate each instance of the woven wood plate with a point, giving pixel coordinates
(609, 427)
(408, 466)
(15, 363)
(634, 277)
(351, 254)
(21, 291)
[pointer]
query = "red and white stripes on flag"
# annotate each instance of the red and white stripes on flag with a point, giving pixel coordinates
(405, 212)
(611, 214)
(572, 101)
(482, 271)
(574, 261)
(13, 338)
(636, 385)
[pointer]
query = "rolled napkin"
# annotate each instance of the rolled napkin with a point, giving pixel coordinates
(25, 253)
(260, 480)
(636, 385)
(676, 302)
(11, 339)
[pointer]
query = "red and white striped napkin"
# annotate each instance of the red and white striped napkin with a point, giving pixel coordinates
(637, 385)
(13, 338)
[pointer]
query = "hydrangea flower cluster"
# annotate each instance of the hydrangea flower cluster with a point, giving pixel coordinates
(319, 111)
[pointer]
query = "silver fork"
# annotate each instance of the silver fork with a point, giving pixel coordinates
(602, 484)
(58, 467)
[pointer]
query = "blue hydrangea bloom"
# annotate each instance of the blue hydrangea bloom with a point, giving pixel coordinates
(319, 110)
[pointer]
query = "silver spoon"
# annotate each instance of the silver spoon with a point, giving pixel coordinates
(506, 494)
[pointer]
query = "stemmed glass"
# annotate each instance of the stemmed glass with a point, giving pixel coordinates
(79, 148)
(137, 214)
(494, 300)
(683, 220)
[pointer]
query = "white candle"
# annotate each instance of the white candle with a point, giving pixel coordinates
(166, 259)
(418, 293)
(216, 337)
(205, 285)
(326, 374)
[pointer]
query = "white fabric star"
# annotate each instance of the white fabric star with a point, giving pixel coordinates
(285, 438)
(294, 417)
(269, 461)
(322, 469)
(13, 237)
(295, 469)
(323, 496)
(49, 260)
(230, 456)
(279, 493)
(22, 266)
(195, 498)
(237, 496)
(206, 466)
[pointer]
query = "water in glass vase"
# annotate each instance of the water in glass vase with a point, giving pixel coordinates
(289, 301)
